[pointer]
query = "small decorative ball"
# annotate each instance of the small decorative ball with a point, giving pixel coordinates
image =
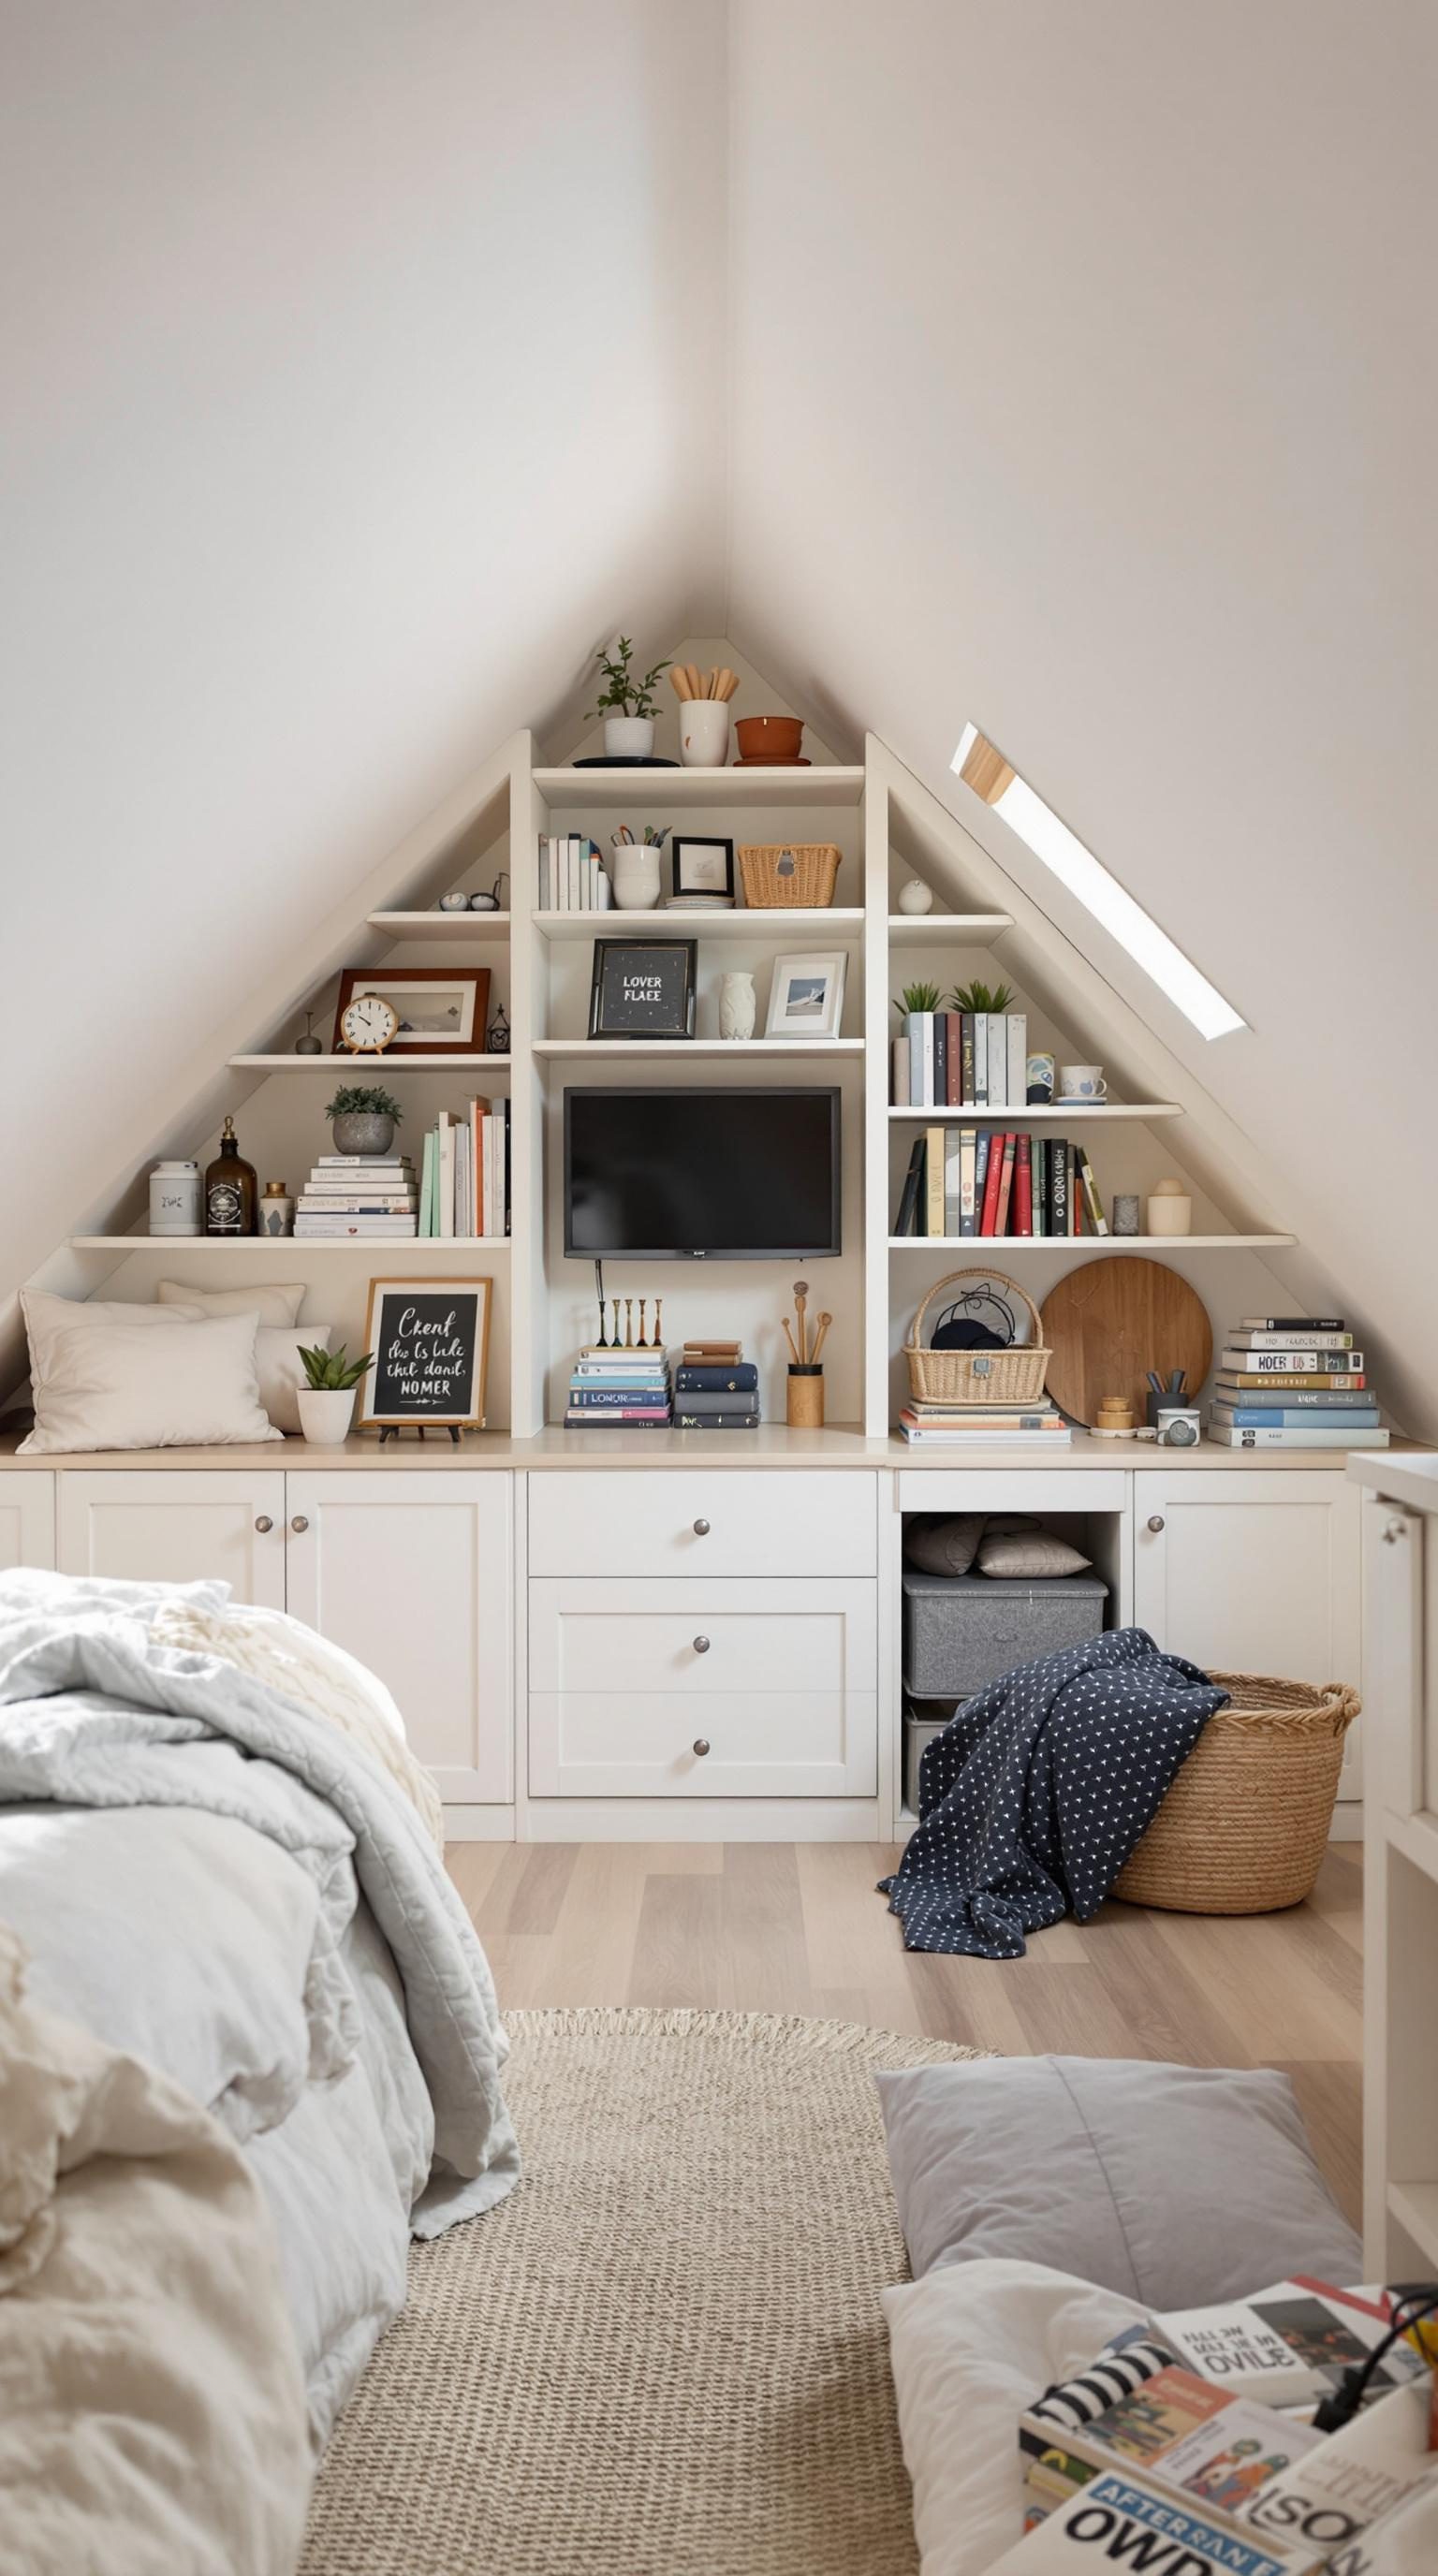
(916, 896)
(456, 902)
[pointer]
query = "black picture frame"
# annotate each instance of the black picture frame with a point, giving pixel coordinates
(700, 841)
(643, 988)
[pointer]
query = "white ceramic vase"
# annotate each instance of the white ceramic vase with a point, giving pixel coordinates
(326, 1413)
(704, 733)
(635, 875)
(916, 896)
(736, 1005)
(628, 737)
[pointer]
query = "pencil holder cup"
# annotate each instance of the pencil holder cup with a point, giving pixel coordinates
(704, 733)
(634, 875)
(804, 1410)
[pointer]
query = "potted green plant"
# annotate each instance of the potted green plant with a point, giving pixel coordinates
(627, 704)
(327, 1400)
(981, 997)
(918, 997)
(363, 1118)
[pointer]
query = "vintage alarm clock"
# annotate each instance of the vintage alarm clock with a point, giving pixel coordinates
(367, 1023)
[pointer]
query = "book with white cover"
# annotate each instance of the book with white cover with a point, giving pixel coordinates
(1016, 1036)
(1292, 1362)
(1288, 2345)
(1123, 2521)
(1353, 2478)
(1250, 1338)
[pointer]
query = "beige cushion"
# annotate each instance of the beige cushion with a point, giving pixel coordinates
(280, 1369)
(149, 1386)
(944, 1546)
(272, 1305)
(1029, 1551)
(46, 1317)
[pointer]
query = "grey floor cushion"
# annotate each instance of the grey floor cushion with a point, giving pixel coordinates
(1174, 2185)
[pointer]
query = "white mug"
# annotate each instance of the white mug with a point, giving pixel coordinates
(1082, 1082)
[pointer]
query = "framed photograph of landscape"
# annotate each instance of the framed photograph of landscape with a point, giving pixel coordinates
(806, 998)
(441, 1009)
(643, 988)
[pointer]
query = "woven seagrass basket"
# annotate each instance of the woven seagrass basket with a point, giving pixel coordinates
(1244, 1828)
(1011, 1376)
(789, 876)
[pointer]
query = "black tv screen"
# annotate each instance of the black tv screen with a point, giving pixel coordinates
(701, 1174)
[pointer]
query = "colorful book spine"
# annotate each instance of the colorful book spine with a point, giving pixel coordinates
(1331, 1382)
(1291, 1417)
(1291, 1363)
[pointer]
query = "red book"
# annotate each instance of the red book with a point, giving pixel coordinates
(1023, 1187)
(1006, 1186)
(953, 1067)
(988, 1218)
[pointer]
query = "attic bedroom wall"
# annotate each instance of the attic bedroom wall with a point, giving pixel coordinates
(364, 372)
(1080, 360)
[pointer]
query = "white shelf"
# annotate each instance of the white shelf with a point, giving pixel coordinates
(1044, 1112)
(799, 1050)
(1415, 2206)
(978, 1244)
(618, 787)
(362, 1068)
(964, 927)
(288, 1244)
(440, 925)
(748, 923)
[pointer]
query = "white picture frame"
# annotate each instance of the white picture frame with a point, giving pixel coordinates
(806, 995)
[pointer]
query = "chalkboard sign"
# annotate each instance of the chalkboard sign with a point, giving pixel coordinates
(643, 988)
(430, 1340)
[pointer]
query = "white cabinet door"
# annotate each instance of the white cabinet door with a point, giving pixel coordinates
(1256, 1573)
(414, 1575)
(27, 1519)
(151, 1526)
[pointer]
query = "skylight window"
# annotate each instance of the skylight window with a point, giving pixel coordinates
(983, 768)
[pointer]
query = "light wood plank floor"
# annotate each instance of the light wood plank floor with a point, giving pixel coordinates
(797, 1928)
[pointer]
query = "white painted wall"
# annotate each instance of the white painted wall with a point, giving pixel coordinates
(364, 372)
(1081, 359)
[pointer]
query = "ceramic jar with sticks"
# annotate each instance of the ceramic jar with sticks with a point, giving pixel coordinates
(804, 1409)
(703, 714)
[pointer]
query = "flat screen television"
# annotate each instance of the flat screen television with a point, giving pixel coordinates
(701, 1174)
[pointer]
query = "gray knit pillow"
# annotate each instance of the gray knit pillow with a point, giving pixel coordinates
(942, 1544)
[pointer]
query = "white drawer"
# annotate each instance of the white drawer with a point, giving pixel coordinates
(1011, 1489)
(682, 1520)
(782, 1691)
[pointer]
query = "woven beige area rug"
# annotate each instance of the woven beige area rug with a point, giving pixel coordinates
(664, 2354)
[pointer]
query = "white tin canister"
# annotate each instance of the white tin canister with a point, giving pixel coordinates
(175, 1198)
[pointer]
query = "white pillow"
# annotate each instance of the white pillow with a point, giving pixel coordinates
(116, 1386)
(46, 1317)
(280, 1369)
(971, 2346)
(272, 1305)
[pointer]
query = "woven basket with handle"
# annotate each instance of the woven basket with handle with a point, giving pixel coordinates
(789, 876)
(1012, 1376)
(1244, 1828)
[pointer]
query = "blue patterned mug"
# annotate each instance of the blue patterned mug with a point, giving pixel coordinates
(1039, 1073)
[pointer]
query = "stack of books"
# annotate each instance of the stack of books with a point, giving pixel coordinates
(609, 1387)
(464, 1183)
(977, 1180)
(715, 1388)
(961, 1060)
(984, 1426)
(1293, 1382)
(571, 874)
(356, 1195)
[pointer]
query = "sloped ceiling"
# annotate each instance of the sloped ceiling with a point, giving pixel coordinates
(1057, 367)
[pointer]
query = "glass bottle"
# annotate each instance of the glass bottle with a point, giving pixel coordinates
(230, 1188)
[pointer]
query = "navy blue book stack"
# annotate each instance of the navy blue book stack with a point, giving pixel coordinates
(715, 1389)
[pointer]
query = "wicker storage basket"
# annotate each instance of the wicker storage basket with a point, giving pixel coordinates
(789, 876)
(1012, 1376)
(1244, 1828)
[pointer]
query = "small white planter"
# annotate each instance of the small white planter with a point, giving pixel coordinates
(325, 1415)
(635, 875)
(628, 737)
(704, 733)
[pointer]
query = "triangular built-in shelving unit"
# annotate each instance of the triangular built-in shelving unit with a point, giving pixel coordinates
(888, 827)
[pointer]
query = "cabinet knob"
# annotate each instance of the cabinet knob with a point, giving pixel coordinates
(264, 1524)
(1393, 1530)
(701, 1645)
(701, 1745)
(299, 1524)
(701, 1529)
(1155, 1522)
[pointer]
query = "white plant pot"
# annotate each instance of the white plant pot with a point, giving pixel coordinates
(628, 737)
(1169, 1213)
(325, 1415)
(635, 875)
(704, 733)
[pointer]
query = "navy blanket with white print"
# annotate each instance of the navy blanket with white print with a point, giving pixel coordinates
(1039, 1788)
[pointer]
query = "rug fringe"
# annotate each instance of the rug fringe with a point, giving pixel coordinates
(789, 2031)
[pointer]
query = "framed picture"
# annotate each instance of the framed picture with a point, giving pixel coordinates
(806, 998)
(430, 1339)
(441, 1009)
(643, 988)
(703, 868)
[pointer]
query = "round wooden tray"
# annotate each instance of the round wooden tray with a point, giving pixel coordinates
(1108, 1322)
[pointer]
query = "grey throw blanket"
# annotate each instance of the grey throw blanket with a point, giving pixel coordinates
(1039, 1788)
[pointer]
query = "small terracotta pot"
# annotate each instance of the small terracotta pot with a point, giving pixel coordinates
(769, 737)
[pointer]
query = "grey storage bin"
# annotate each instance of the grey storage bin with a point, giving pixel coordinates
(962, 1631)
(919, 1733)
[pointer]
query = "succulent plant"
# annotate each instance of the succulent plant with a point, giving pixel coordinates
(334, 1372)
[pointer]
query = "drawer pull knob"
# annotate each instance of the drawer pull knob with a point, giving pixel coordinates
(1155, 1522)
(1394, 1530)
(264, 1525)
(701, 1529)
(701, 1745)
(701, 1645)
(299, 1524)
